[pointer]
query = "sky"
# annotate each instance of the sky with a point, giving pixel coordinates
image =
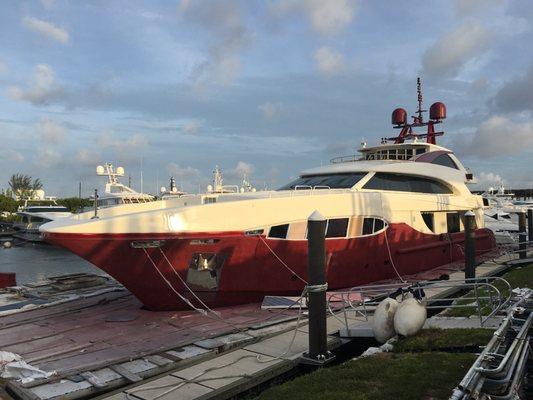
(266, 88)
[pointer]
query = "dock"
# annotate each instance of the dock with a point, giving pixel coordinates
(91, 337)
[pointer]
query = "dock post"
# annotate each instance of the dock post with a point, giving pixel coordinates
(470, 245)
(522, 235)
(530, 225)
(318, 353)
(95, 204)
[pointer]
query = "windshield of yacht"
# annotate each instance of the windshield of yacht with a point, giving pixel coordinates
(325, 181)
(50, 209)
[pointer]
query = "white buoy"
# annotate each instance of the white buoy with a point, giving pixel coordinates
(7, 245)
(410, 317)
(383, 322)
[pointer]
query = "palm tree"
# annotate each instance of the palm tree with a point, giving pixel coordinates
(23, 186)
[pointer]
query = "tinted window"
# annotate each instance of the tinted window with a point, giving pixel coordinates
(429, 219)
(444, 160)
(368, 226)
(452, 220)
(333, 181)
(279, 231)
(406, 183)
(378, 224)
(337, 227)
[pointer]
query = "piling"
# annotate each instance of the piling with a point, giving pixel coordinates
(318, 353)
(530, 224)
(522, 235)
(470, 245)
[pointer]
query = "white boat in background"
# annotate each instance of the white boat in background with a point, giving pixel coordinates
(115, 192)
(32, 216)
(501, 214)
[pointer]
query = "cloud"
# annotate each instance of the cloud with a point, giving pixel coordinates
(500, 136)
(488, 178)
(326, 17)
(190, 128)
(183, 173)
(47, 157)
(3, 68)
(51, 132)
(46, 29)
(329, 60)
(108, 140)
(236, 174)
(449, 54)
(14, 156)
(515, 95)
(48, 3)
(87, 157)
(269, 110)
(42, 90)
(229, 36)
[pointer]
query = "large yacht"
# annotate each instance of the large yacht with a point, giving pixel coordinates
(396, 209)
(115, 192)
(33, 214)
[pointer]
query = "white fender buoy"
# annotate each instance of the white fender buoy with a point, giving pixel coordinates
(383, 322)
(7, 245)
(410, 317)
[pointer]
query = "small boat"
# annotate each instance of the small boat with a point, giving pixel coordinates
(33, 214)
(395, 209)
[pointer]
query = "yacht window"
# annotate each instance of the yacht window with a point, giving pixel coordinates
(368, 226)
(337, 228)
(333, 181)
(420, 151)
(373, 225)
(429, 220)
(445, 160)
(208, 200)
(452, 221)
(486, 202)
(279, 231)
(406, 183)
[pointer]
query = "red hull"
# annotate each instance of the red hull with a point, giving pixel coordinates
(250, 271)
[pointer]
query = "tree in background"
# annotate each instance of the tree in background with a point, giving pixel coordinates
(8, 204)
(75, 204)
(23, 186)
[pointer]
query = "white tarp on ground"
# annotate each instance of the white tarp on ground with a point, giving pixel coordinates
(12, 366)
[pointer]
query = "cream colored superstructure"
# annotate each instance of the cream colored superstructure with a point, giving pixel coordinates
(262, 210)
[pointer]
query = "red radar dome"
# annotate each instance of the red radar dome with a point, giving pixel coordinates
(399, 117)
(437, 111)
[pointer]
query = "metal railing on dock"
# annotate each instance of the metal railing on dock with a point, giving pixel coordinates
(357, 303)
(499, 369)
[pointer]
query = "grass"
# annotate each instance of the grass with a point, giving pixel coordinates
(381, 377)
(518, 277)
(444, 340)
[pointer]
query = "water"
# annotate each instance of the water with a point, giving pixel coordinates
(34, 262)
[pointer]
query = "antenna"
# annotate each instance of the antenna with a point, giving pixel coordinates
(142, 175)
(420, 98)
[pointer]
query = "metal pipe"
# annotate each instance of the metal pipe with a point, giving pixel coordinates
(95, 204)
(470, 245)
(519, 337)
(522, 235)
